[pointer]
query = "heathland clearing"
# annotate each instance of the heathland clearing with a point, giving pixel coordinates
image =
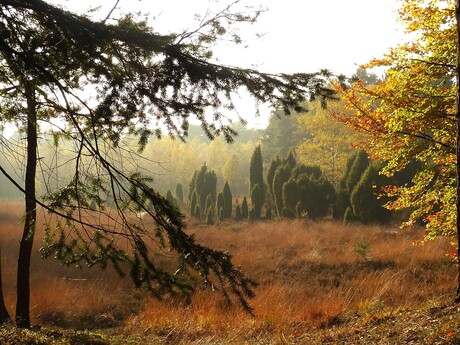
(313, 277)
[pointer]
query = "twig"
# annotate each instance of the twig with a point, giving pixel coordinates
(111, 11)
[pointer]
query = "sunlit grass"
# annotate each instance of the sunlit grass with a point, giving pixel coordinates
(311, 275)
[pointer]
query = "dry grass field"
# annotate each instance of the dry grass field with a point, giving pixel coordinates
(312, 276)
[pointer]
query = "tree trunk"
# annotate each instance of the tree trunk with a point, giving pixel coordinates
(457, 117)
(4, 316)
(25, 246)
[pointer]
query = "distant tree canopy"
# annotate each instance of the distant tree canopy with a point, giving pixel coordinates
(365, 77)
(314, 135)
(327, 142)
(138, 80)
(282, 135)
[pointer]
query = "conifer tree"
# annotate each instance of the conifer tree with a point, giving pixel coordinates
(274, 164)
(366, 205)
(299, 210)
(357, 169)
(282, 175)
(290, 194)
(193, 204)
(197, 213)
(220, 204)
(256, 177)
(343, 181)
(221, 215)
(314, 171)
(342, 201)
(308, 194)
(179, 194)
(170, 197)
(209, 203)
(209, 187)
(210, 216)
(191, 186)
(244, 208)
(200, 185)
(290, 160)
(323, 198)
(204, 182)
(238, 213)
(228, 200)
(287, 213)
(251, 217)
(348, 216)
(268, 213)
(256, 200)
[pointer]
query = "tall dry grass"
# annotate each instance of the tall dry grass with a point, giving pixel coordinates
(310, 275)
(63, 296)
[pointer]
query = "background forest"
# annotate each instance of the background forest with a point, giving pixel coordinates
(312, 139)
(311, 146)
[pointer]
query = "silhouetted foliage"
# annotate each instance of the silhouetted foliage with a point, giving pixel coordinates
(179, 194)
(274, 164)
(197, 213)
(170, 197)
(245, 208)
(193, 203)
(220, 205)
(256, 177)
(256, 200)
(268, 213)
(210, 216)
(238, 213)
(365, 202)
(348, 216)
(360, 164)
(228, 201)
(307, 195)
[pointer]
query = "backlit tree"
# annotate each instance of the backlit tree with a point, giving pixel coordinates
(412, 116)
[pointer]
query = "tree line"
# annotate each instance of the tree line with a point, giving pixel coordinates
(291, 189)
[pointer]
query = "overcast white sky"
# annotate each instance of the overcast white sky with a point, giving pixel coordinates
(299, 35)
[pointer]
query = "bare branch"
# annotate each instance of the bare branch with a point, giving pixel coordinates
(111, 11)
